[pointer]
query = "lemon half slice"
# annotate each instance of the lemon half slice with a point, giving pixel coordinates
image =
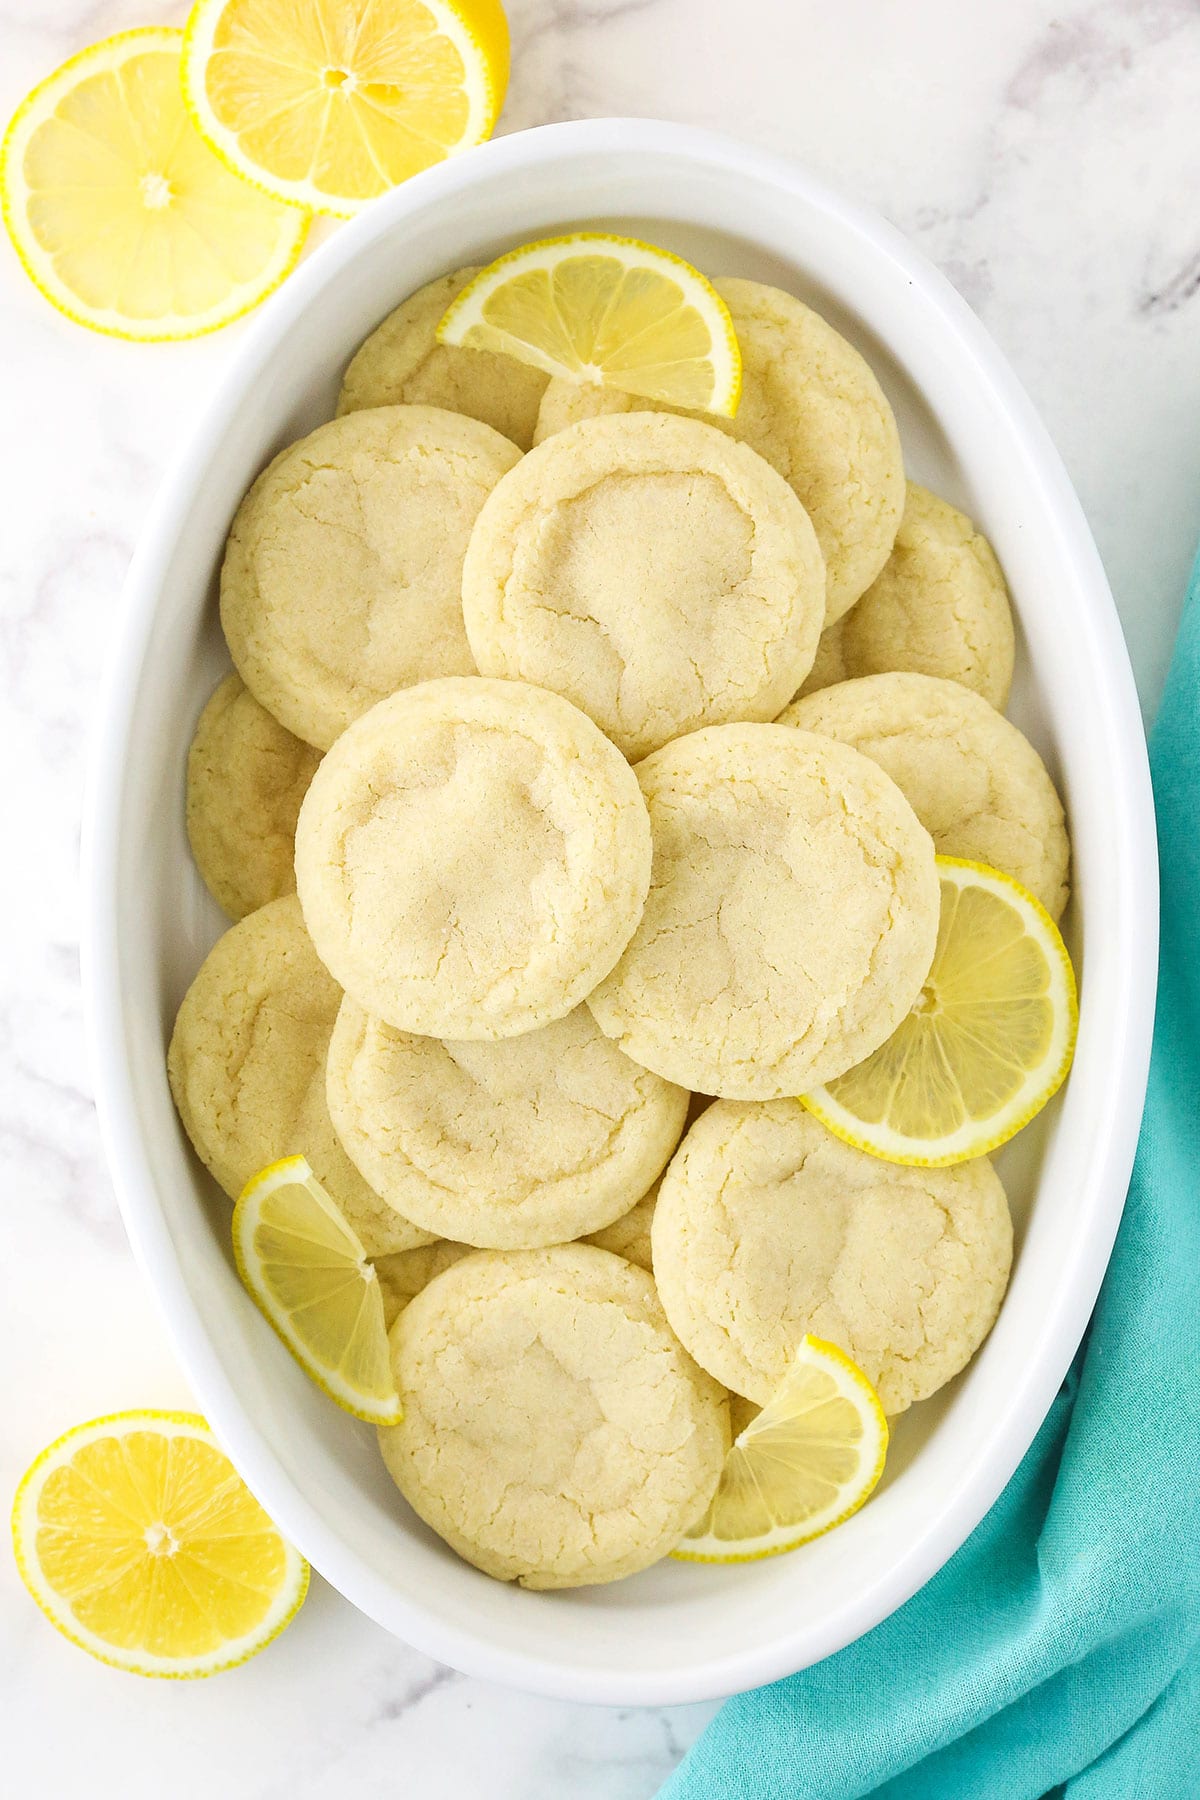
(120, 212)
(801, 1466)
(310, 1276)
(989, 1041)
(611, 310)
(331, 103)
(139, 1540)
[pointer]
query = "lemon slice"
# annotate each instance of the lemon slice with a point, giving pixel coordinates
(329, 104)
(310, 1275)
(988, 1042)
(139, 1540)
(610, 310)
(120, 212)
(803, 1464)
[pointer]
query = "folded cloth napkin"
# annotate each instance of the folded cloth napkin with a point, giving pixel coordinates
(1059, 1651)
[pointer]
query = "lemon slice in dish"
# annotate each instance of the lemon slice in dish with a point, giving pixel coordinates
(609, 310)
(139, 1540)
(120, 212)
(801, 1466)
(331, 103)
(988, 1042)
(311, 1277)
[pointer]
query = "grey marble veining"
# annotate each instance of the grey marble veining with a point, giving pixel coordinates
(1045, 155)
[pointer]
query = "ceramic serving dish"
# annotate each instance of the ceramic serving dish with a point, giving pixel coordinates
(676, 1632)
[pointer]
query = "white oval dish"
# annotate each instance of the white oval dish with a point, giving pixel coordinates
(676, 1632)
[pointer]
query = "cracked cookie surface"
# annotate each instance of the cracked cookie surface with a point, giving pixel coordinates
(402, 364)
(939, 607)
(975, 782)
(555, 1431)
(246, 777)
(535, 1140)
(247, 1068)
(768, 1227)
(472, 857)
(812, 407)
(657, 574)
(791, 918)
(343, 571)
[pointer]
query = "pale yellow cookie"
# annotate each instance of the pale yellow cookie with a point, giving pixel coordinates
(629, 1236)
(246, 777)
(768, 1227)
(472, 857)
(534, 1140)
(343, 571)
(742, 1412)
(402, 363)
(976, 784)
(940, 607)
(829, 664)
(555, 1433)
(791, 919)
(811, 406)
(658, 575)
(247, 1068)
(403, 1274)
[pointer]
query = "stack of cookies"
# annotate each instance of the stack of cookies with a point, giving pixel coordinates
(577, 795)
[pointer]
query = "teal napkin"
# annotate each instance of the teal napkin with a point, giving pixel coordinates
(1059, 1650)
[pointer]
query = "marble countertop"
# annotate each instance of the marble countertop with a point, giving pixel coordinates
(1042, 152)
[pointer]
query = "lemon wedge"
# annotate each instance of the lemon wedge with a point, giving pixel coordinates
(329, 104)
(801, 1466)
(120, 212)
(311, 1277)
(610, 310)
(139, 1540)
(989, 1041)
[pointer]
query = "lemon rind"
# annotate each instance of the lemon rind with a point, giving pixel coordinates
(764, 1548)
(467, 307)
(167, 37)
(296, 1580)
(303, 196)
(1020, 1112)
(287, 1170)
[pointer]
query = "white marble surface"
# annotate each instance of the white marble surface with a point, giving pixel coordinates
(1044, 152)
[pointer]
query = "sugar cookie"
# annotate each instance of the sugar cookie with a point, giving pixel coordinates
(742, 1412)
(247, 1068)
(535, 1140)
(404, 1273)
(402, 363)
(246, 777)
(811, 406)
(829, 664)
(768, 1227)
(472, 857)
(343, 571)
(791, 919)
(658, 575)
(940, 607)
(555, 1433)
(629, 1236)
(977, 785)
